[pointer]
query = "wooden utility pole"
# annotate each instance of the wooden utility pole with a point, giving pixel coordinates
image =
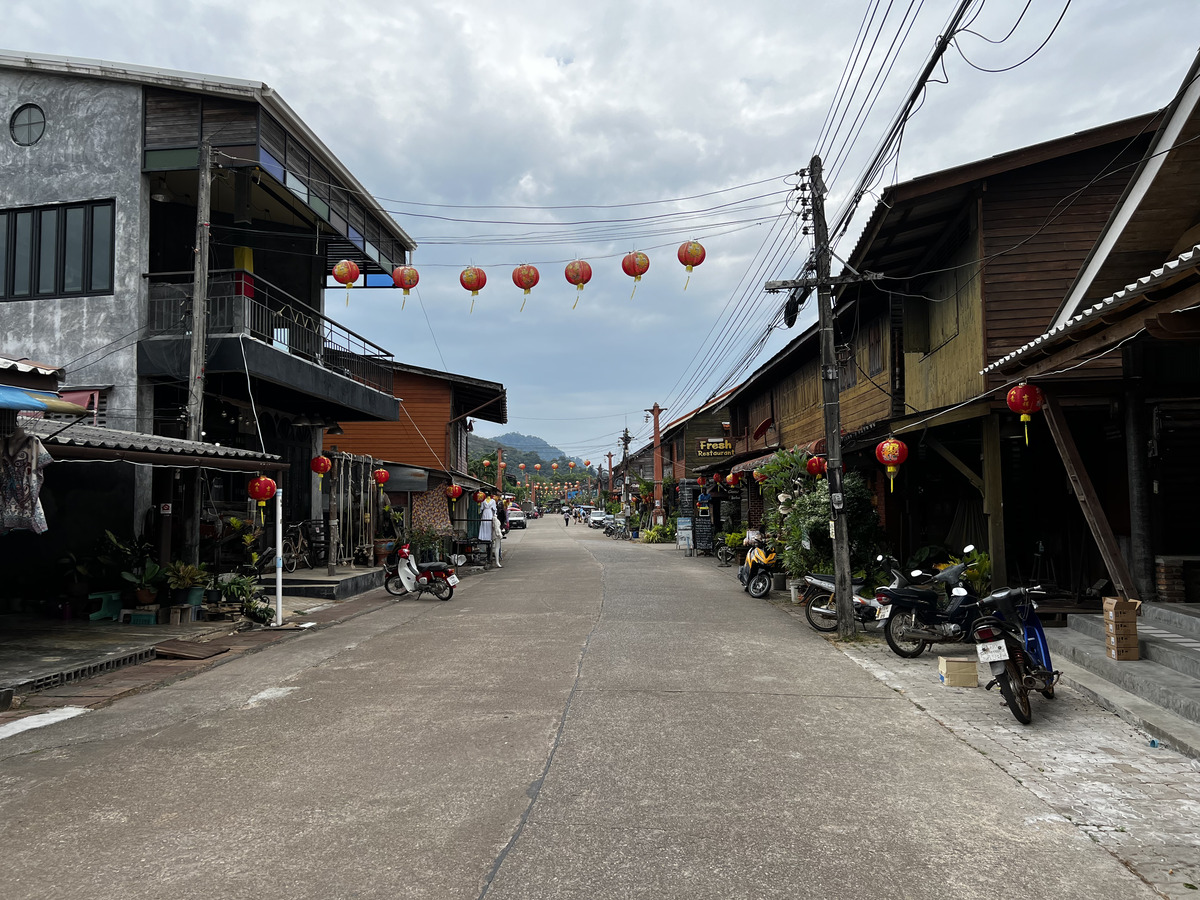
(610, 484)
(199, 329)
(659, 515)
(499, 470)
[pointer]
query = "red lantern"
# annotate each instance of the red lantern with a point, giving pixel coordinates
(381, 477)
(346, 272)
(320, 465)
(554, 466)
(454, 491)
(473, 279)
(635, 265)
(892, 453)
(759, 475)
(521, 467)
(700, 480)
(733, 479)
(405, 277)
(537, 467)
(1025, 399)
(503, 465)
(486, 463)
(480, 496)
(261, 489)
(816, 466)
(578, 273)
(525, 276)
(691, 253)
(570, 465)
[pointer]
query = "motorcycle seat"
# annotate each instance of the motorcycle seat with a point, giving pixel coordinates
(923, 595)
(433, 567)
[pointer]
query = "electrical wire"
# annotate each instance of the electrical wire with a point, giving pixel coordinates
(1026, 59)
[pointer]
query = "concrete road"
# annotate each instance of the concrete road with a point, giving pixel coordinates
(595, 720)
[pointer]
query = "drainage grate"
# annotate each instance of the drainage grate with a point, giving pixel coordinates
(90, 670)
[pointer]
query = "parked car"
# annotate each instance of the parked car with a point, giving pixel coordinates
(596, 519)
(516, 517)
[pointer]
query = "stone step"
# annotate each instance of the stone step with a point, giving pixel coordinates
(1161, 645)
(1182, 618)
(1144, 678)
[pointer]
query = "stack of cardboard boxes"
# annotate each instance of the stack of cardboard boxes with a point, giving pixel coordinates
(957, 671)
(1120, 628)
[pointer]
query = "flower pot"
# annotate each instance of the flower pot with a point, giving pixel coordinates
(179, 596)
(195, 596)
(213, 595)
(144, 596)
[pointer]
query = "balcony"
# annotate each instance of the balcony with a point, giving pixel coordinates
(293, 347)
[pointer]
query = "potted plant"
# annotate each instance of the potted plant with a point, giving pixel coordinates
(237, 588)
(186, 582)
(145, 579)
(256, 610)
(213, 589)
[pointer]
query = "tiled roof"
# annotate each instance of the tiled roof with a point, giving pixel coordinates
(57, 433)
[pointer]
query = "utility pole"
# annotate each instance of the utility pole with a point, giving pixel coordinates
(499, 470)
(332, 536)
(659, 515)
(830, 395)
(610, 456)
(626, 439)
(199, 323)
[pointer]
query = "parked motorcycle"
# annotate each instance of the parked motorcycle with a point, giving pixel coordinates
(821, 609)
(404, 575)
(913, 614)
(1009, 637)
(756, 572)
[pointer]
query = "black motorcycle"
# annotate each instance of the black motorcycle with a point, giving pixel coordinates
(915, 618)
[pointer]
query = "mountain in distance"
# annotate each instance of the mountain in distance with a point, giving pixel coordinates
(528, 443)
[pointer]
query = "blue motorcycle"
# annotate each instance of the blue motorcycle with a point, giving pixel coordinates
(1009, 637)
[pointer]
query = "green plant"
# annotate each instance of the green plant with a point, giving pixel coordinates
(257, 610)
(734, 539)
(237, 588)
(425, 539)
(978, 573)
(182, 575)
(147, 577)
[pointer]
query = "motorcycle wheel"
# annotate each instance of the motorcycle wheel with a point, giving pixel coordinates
(443, 590)
(1048, 693)
(725, 555)
(896, 623)
(1015, 694)
(822, 623)
(393, 585)
(760, 585)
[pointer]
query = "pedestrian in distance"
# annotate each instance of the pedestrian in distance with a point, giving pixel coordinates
(567, 518)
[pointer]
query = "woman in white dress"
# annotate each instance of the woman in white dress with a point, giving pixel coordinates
(488, 530)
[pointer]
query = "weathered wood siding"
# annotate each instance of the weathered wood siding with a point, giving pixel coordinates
(943, 337)
(427, 401)
(1039, 223)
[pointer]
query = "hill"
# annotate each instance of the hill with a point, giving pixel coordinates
(528, 443)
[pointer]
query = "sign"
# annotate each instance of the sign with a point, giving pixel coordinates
(406, 478)
(164, 508)
(713, 448)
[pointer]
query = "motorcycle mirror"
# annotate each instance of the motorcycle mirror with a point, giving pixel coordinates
(970, 548)
(959, 591)
(879, 558)
(916, 573)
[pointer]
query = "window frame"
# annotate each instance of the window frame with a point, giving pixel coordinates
(53, 240)
(12, 124)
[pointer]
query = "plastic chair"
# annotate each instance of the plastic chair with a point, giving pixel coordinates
(110, 605)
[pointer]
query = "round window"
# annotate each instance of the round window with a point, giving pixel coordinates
(28, 124)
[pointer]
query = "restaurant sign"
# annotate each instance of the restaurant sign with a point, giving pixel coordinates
(713, 448)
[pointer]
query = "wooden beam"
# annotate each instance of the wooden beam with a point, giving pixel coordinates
(1089, 503)
(946, 417)
(993, 498)
(966, 471)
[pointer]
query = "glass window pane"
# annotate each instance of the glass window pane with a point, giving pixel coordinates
(102, 248)
(47, 251)
(22, 254)
(3, 254)
(73, 244)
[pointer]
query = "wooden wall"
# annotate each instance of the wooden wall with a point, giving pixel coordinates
(427, 401)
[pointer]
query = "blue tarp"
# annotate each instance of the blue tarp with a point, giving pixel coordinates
(29, 400)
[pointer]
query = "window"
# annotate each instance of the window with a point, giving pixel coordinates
(57, 251)
(875, 349)
(27, 125)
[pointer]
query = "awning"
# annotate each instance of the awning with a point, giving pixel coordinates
(29, 400)
(751, 464)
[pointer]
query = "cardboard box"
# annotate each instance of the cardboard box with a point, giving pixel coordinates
(1118, 610)
(1122, 641)
(957, 671)
(1121, 628)
(1122, 653)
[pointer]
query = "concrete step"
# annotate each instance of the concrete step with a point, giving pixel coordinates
(1161, 645)
(1181, 618)
(346, 583)
(1145, 678)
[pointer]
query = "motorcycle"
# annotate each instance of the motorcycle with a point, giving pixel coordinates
(821, 610)
(756, 572)
(1009, 637)
(404, 575)
(914, 619)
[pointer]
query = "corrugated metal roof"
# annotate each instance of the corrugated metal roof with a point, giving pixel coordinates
(1110, 304)
(59, 434)
(27, 366)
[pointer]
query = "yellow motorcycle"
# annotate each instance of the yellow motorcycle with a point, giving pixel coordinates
(756, 572)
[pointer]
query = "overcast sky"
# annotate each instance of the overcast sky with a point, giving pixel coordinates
(575, 112)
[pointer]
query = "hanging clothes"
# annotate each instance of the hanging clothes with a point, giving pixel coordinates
(487, 519)
(22, 460)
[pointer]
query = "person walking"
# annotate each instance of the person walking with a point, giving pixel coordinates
(567, 517)
(501, 532)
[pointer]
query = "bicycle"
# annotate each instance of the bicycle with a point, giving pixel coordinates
(726, 555)
(295, 548)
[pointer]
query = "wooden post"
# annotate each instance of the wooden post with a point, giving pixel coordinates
(993, 499)
(1137, 439)
(1093, 513)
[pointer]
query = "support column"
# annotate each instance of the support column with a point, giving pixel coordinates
(993, 499)
(1137, 440)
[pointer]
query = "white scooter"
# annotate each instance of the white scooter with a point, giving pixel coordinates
(404, 575)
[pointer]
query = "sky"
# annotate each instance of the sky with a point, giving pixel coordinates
(523, 131)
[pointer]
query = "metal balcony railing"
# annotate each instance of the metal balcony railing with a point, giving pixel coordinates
(240, 303)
